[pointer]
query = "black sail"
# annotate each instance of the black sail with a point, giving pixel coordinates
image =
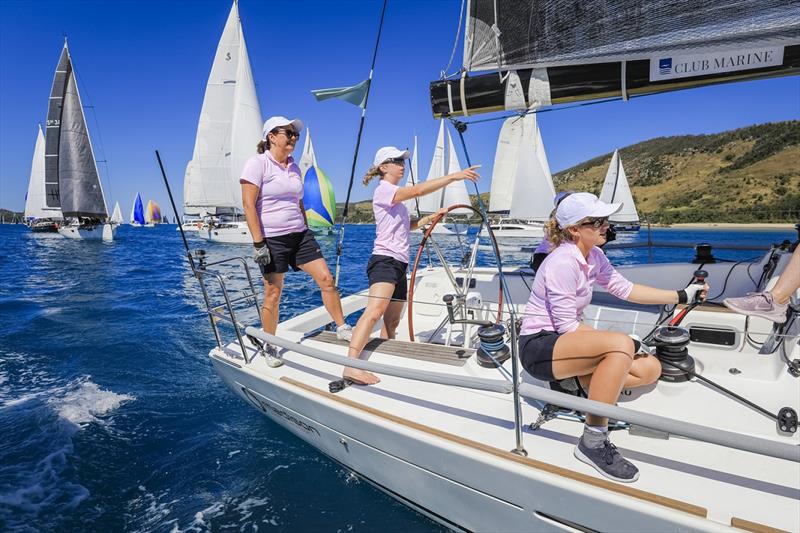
(68, 150)
(53, 130)
(591, 49)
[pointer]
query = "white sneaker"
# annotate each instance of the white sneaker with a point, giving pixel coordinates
(344, 332)
(274, 359)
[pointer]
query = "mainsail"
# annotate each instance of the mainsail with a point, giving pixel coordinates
(430, 203)
(137, 211)
(521, 183)
(307, 159)
(71, 178)
(567, 50)
(616, 189)
(228, 129)
(455, 193)
(35, 200)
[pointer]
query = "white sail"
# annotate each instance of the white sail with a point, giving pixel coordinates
(533, 189)
(616, 189)
(412, 178)
(228, 129)
(455, 193)
(430, 203)
(308, 158)
(116, 216)
(35, 203)
(505, 165)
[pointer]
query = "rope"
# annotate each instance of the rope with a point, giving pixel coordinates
(444, 74)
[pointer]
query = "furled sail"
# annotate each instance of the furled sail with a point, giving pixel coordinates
(431, 203)
(35, 200)
(521, 183)
(152, 214)
(137, 212)
(71, 178)
(616, 189)
(228, 130)
(568, 50)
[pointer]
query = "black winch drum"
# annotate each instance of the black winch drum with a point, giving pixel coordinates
(671, 349)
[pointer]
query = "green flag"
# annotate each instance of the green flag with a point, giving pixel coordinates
(356, 95)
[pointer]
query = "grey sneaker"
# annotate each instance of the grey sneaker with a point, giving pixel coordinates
(344, 332)
(761, 304)
(608, 461)
(274, 359)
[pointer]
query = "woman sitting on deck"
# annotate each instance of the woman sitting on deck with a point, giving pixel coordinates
(555, 345)
(387, 266)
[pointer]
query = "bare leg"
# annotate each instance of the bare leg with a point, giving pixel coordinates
(607, 355)
(379, 294)
(391, 319)
(270, 310)
(789, 280)
(318, 270)
(644, 371)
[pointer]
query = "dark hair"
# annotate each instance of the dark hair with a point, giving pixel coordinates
(263, 145)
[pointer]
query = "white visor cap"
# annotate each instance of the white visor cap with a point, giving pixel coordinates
(277, 122)
(389, 152)
(580, 205)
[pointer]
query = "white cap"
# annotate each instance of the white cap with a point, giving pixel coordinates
(580, 205)
(277, 122)
(389, 152)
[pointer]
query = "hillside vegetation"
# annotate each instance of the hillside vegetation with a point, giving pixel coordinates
(750, 174)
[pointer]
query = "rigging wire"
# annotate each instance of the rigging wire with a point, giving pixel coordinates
(444, 74)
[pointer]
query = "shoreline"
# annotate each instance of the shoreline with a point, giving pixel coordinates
(785, 226)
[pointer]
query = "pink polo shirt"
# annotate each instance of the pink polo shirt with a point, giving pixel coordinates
(563, 288)
(278, 203)
(392, 225)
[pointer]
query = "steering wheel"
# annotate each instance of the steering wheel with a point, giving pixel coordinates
(422, 243)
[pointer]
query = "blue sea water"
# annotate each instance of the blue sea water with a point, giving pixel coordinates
(112, 419)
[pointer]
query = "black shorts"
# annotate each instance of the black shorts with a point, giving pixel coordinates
(291, 250)
(536, 354)
(382, 268)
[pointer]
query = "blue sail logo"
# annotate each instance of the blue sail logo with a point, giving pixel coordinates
(665, 66)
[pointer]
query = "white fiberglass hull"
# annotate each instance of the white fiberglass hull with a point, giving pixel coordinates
(230, 233)
(443, 450)
(448, 229)
(190, 226)
(104, 232)
(516, 231)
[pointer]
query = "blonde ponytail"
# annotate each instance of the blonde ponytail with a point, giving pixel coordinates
(555, 234)
(371, 173)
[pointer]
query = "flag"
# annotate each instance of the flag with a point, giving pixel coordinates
(356, 95)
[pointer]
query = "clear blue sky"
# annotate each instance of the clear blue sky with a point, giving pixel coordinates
(143, 65)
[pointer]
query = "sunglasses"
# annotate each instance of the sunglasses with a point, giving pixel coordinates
(289, 133)
(397, 161)
(596, 223)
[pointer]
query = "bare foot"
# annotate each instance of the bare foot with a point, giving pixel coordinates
(360, 377)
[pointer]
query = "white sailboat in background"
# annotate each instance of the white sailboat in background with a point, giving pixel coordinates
(72, 182)
(412, 178)
(116, 216)
(228, 129)
(521, 183)
(616, 189)
(38, 215)
(307, 158)
(453, 194)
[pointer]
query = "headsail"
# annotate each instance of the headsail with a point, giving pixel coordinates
(319, 199)
(116, 216)
(152, 213)
(521, 183)
(228, 129)
(35, 200)
(137, 212)
(616, 189)
(71, 178)
(576, 49)
(455, 193)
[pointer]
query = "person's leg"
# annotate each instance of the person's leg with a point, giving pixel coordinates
(644, 371)
(789, 281)
(391, 319)
(318, 270)
(379, 295)
(270, 309)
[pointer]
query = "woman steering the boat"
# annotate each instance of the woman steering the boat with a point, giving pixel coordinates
(556, 346)
(387, 266)
(272, 196)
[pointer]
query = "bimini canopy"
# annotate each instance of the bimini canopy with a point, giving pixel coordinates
(565, 50)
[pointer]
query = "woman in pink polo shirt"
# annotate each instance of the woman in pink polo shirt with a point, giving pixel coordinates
(387, 266)
(555, 345)
(272, 196)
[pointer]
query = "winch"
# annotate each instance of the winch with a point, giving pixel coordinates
(493, 349)
(671, 344)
